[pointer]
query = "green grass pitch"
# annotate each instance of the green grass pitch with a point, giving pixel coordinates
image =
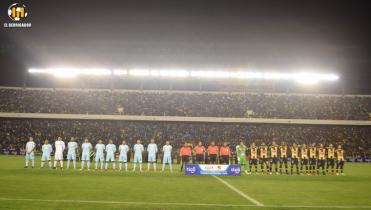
(50, 189)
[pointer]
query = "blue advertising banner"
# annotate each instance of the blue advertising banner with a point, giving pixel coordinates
(217, 170)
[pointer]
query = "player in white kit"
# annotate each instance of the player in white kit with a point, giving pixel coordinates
(30, 148)
(99, 154)
(58, 155)
(47, 150)
(71, 153)
(86, 148)
(124, 149)
(152, 151)
(110, 156)
(138, 150)
(167, 149)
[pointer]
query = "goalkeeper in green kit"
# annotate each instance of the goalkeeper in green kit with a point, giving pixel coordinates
(241, 155)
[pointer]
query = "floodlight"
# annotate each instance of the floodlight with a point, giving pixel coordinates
(139, 72)
(120, 72)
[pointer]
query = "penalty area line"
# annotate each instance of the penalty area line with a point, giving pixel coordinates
(239, 192)
(183, 204)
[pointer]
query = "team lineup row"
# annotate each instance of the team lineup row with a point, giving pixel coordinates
(311, 159)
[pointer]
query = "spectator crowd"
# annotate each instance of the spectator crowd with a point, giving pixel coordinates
(356, 140)
(168, 103)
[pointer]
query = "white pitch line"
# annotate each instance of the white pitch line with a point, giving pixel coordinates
(239, 192)
(182, 204)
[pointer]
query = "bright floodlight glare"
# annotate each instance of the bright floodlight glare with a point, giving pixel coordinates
(37, 71)
(139, 72)
(304, 77)
(313, 78)
(120, 72)
(174, 73)
(63, 72)
(155, 73)
(211, 74)
(95, 72)
(71, 72)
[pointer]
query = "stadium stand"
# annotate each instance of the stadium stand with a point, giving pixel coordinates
(165, 103)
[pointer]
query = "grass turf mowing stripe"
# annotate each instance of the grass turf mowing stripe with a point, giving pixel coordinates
(185, 204)
(239, 192)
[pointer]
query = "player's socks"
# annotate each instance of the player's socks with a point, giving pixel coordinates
(33, 163)
(126, 166)
(171, 168)
(88, 165)
(134, 166)
(96, 165)
(74, 164)
(106, 166)
(154, 167)
(50, 164)
(61, 163)
(42, 164)
(120, 166)
(140, 167)
(163, 167)
(82, 165)
(68, 164)
(148, 166)
(55, 164)
(114, 166)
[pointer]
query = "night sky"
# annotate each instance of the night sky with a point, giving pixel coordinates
(283, 35)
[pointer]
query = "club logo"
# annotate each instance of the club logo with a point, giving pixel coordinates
(17, 11)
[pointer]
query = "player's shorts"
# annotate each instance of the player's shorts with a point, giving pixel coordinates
(313, 161)
(263, 160)
(71, 156)
(213, 157)
(294, 161)
(166, 159)
(99, 157)
(283, 159)
(151, 157)
(58, 156)
(225, 159)
(321, 163)
(137, 159)
(331, 162)
(30, 156)
(110, 157)
(123, 158)
(254, 161)
(304, 161)
(340, 162)
(200, 157)
(85, 156)
(45, 157)
(274, 160)
(242, 161)
(185, 159)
